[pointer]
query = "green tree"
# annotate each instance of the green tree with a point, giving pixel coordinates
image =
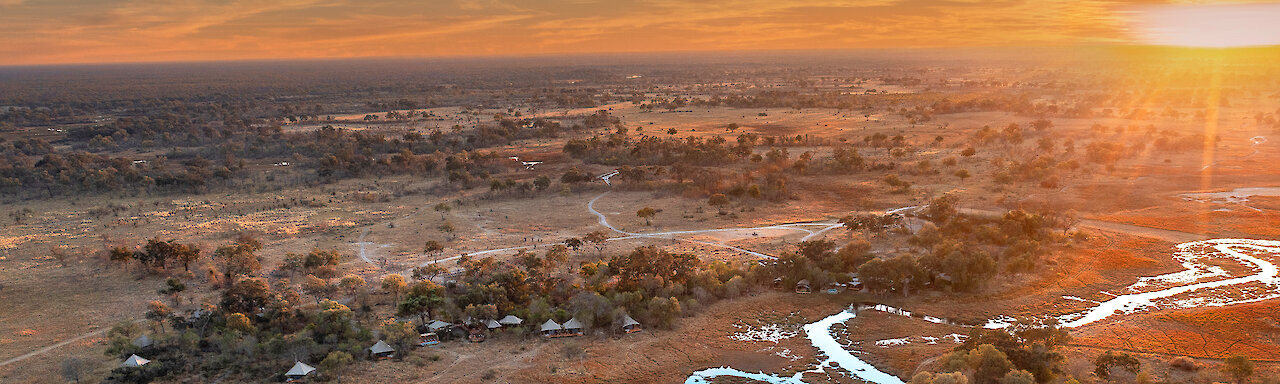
(989, 364)
(423, 298)
(1018, 377)
(172, 288)
(335, 363)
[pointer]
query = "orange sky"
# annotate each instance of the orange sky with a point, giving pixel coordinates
(79, 31)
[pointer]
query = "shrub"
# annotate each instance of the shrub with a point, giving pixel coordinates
(1185, 363)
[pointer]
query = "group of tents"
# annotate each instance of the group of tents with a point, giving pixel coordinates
(573, 327)
(381, 349)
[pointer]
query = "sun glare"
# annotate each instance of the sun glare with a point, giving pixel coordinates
(1207, 26)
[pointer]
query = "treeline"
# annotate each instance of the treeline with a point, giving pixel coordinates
(950, 251)
(258, 328)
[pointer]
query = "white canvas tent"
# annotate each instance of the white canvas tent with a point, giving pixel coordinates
(381, 349)
(492, 324)
(573, 326)
(511, 320)
(550, 328)
(299, 370)
(134, 361)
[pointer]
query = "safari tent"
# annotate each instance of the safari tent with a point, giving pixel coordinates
(382, 350)
(802, 287)
(437, 325)
(573, 327)
(630, 325)
(134, 361)
(511, 320)
(551, 328)
(299, 371)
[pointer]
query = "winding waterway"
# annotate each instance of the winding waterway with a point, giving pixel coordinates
(1195, 281)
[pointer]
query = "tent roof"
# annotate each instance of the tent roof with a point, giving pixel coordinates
(300, 369)
(511, 320)
(142, 341)
(551, 325)
(381, 347)
(627, 320)
(437, 324)
(135, 361)
(803, 282)
(492, 324)
(573, 323)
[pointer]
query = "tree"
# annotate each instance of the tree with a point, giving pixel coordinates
(663, 311)
(433, 248)
(74, 368)
(962, 174)
(248, 296)
(120, 255)
(448, 229)
(967, 152)
(422, 298)
(1238, 367)
(1110, 359)
(351, 283)
(647, 214)
(718, 200)
(597, 239)
(239, 259)
(315, 285)
(1018, 377)
(239, 322)
(394, 284)
(187, 254)
(157, 312)
(989, 364)
(443, 208)
(401, 335)
(335, 362)
(427, 272)
(173, 287)
(573, 243)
